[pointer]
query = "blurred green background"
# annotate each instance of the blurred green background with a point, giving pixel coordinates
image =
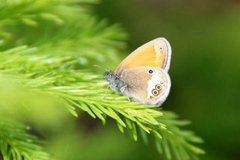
(205, 39)
(205, 68)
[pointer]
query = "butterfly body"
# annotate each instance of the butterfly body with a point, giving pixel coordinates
(116, 84)
(143, 75)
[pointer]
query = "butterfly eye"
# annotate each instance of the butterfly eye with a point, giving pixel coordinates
(150, 71)
(155, 92)
(158, 87)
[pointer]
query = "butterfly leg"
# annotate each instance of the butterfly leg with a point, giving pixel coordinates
(122, 89)
(105, 93)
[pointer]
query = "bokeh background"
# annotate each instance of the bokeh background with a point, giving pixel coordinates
(205, 66)
(205, 69)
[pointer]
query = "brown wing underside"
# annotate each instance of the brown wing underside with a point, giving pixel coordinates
(137, 82)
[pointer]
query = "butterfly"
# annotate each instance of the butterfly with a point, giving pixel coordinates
(143, 75)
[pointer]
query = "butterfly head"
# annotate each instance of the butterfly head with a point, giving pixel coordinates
(109, 75)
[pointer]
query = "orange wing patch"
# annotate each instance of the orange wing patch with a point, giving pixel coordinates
(154, 54)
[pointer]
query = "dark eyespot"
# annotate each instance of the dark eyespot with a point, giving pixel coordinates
(160, 48)
(155, 92)
(150, 71)
(158, 87)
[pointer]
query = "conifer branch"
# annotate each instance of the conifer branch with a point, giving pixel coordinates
(59, 63)
(17, 144)
(87, 91)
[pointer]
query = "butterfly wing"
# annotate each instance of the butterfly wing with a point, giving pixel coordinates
(144, 72)
(144, 87)
(156, 53)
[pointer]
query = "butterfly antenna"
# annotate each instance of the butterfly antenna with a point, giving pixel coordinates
(101, 67)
